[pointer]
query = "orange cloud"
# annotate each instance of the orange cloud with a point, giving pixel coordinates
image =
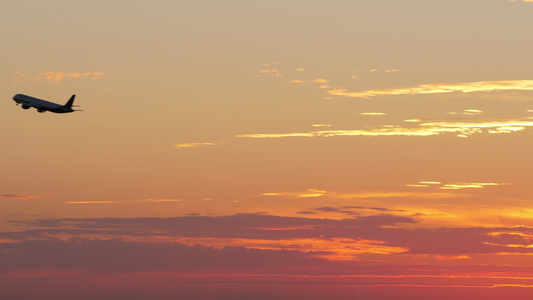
(303, 194)
(372, 114)
(193, 145)
(269, 70)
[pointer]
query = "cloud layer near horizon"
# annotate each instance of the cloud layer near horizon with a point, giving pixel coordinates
(286, 250)
(380, 227)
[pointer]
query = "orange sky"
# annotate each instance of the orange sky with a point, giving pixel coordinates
(268, 149)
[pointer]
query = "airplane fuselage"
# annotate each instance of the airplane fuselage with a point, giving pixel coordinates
(42, 105)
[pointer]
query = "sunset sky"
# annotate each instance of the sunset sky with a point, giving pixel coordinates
(267, 149)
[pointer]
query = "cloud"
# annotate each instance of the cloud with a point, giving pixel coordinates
(257, 250)
(350, 210)
(361, 195)
(251, 231)
(456, 185)
(438, 88)
(92, 202)
(372, 114)
(16, 196)
(112, 256)
(318, 80)
(57, 77)
(122, 202)
(461, 129)
(334, 239)
(193, 145)
(268, 69)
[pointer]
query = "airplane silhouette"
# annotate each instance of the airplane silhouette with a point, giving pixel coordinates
(43, 105)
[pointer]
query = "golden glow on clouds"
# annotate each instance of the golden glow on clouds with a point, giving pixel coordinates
(470, 185)
(372, 114)
(526, 238)
(335, 248)
(462, 129)
(472, 112)
(304, 194)
(467, 112)
(456, 185)
(452, 257)
(438, 88)
(194, 145)
(361, 195)
(312, 193)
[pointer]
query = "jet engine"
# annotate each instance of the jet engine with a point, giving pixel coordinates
(41, 110)
(25, 106)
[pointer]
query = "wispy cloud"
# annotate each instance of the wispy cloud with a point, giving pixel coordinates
(303, 194)
(372, 114)
(361, 195)
(467, 112)
(161, 200)
(318, 80)
(270, 69)
(384, 71)
(125, 202)
(456, 185)
(56, 77)
(92, 202)
(16, 196)
(438, 88)
(193, 145)
(461, 129)
(351, 210)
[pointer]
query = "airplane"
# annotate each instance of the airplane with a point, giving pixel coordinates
(42, 105)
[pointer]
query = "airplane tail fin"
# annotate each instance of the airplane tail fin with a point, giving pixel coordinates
(70, 102)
